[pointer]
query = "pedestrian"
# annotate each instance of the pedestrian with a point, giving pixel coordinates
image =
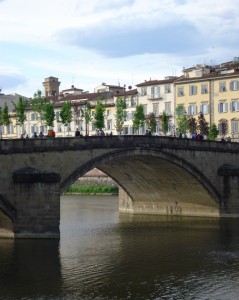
(41, 135)
(77, 133)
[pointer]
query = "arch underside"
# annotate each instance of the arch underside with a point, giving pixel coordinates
(7, 214)
(154, 182)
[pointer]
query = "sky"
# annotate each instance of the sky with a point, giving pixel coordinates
(87, 42)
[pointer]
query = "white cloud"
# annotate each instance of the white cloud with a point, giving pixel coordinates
(120, 40)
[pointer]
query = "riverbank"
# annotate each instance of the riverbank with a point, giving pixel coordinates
(76, 188)
(94, 182)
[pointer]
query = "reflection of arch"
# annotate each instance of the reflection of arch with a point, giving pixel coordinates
(108, 163)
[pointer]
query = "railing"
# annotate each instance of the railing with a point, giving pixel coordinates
(155, 96)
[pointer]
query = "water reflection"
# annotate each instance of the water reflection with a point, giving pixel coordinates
(29, 269)
(106, 255)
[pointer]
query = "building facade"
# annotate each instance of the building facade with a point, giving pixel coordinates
(213, 91)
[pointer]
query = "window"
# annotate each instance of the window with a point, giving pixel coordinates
(180, 91)
(57, 116)
(93, 113)
(222, 86)
(235, 126)
(204, 108)
(43, 129)
(222, 107)
(192, 90)
(126, 130)
(108, 112)
(155, 92)
(10, 128)
(127, 102)
(192, 109)
(34, 128)
(143, 91)
(167, 108)
(109, 124)
(223, 127)
(58, 127)
(145, 109)
(134, 101)
(234, 85)
(156, 109)
(204, 89)
(167, 88)
(33, 117)
(234, 106)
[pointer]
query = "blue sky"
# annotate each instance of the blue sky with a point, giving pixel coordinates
(121, 42)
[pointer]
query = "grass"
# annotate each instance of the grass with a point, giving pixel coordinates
(92, 189)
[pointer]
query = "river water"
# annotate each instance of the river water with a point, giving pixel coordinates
(106, 255)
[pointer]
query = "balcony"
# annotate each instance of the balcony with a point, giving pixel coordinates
(155, 97)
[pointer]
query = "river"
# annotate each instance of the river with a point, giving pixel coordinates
(106, 255)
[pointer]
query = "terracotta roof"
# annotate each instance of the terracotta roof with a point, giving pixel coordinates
(206, 77)
(156, 82)
(126, 93)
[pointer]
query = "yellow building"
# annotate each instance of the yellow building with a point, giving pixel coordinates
(214, 91)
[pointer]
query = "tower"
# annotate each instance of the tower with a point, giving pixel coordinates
(51, 85)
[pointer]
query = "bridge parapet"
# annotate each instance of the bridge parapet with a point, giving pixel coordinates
(127, 141)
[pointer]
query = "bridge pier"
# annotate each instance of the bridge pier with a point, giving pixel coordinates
(37, 203)
(230, 181)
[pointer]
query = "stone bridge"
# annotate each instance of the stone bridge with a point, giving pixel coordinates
(156, 175)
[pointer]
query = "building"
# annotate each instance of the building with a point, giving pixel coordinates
(51, 86)
(157, 96)
(212, 90)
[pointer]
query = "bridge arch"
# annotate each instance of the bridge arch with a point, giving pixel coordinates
(154, 176)
(7, 217)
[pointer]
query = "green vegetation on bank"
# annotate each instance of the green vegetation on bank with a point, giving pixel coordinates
(92, 189)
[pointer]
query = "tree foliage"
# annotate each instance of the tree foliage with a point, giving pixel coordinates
(164, 123)
(38, 103)
(120, 114)
(139, 117)
(223, 127)
(20, 108)
(151, 122)
(86, 113)
(213, 132)
(192, 125)
(6, 118)
(66, 114)
(203, 125)
(99, 121)
(49, 114)
(181, 118)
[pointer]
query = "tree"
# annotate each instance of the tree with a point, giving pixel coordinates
(1, 122)
(20, 108)
(164, 123)
(223, 127)
(203, 125)
(99, 121)
(181, 118)
(139, 117)
(120, 114)
(66, 114)
(151, 122)
(192, 125)
(213, 132)
(49, 114)
(86, 113)
(38, 103)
